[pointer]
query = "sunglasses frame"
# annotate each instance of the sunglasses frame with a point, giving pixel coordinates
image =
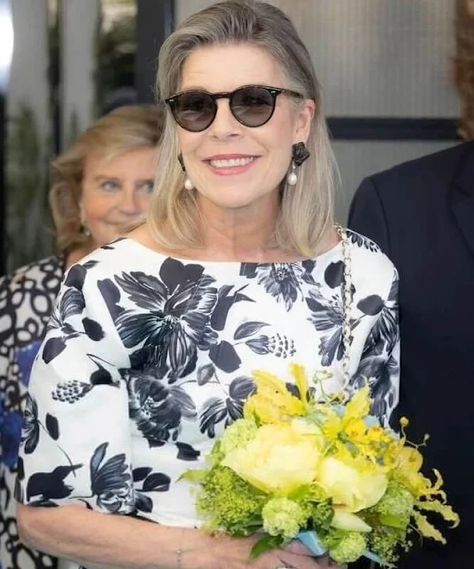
(273, 91)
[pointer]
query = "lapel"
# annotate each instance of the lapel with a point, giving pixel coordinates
(462, 196)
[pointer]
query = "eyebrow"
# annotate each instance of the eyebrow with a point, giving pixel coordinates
(102, 177)
(105, 177)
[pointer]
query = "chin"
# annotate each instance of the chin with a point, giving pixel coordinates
(236, 198)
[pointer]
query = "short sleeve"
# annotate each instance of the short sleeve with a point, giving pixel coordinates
(380, 361)
(75, 443)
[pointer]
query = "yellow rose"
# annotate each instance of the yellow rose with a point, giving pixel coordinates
(278, 460)
(353, 488)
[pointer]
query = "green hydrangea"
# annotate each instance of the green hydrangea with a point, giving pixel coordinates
(396, 506)
(285, 517)
(316, 505)
(322, 513)
(238, 434)
(386, 542)
(345, 546)
(226, 501)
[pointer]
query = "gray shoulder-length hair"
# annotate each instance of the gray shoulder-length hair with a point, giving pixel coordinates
(307, 209)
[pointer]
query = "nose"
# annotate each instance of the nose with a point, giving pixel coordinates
(130, 203)
(225, 125)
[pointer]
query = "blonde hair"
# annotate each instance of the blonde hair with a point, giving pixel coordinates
(306, 212)
(123, 129)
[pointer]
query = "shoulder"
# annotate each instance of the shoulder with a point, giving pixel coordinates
(439, 167)
(107, 260)
(97, 275)
(372, 271)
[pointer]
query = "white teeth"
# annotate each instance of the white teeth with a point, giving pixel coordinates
(232, 162)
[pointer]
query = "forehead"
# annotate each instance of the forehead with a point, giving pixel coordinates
(120, 162)
(226, 67)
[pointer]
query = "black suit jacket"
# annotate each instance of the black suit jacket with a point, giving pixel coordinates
(422, 215)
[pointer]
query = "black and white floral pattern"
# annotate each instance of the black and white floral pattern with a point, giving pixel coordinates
(153, 357)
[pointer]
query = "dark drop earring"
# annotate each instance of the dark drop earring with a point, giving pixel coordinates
(299, 153)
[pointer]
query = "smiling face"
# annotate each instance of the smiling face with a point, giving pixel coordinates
(231, 165)
(116, 191)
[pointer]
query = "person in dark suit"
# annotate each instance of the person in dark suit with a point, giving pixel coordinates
(421, 213)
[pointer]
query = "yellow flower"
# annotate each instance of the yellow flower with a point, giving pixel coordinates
(356, 430)
(359, 406)
(278, 460)
(353, 486)
(272, 402)
(333, 425)
(408, 463)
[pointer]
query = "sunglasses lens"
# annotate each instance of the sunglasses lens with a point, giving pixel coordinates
(194, 111)
(252, 106)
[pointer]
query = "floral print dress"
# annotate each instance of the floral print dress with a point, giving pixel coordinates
(148, 358)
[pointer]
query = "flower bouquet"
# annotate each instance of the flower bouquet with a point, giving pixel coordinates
(303, 464)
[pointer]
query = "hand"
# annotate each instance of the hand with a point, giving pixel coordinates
(233, 553)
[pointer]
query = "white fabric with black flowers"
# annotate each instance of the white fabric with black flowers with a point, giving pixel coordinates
(148, 358)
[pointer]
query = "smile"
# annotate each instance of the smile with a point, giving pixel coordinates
(227, 165)
(231, 162)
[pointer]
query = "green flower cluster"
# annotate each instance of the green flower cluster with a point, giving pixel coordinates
(238, 435)
(316, 505)
(321, 513)
(345, 546)
(226, 501)
(386, 542)
(285, 517)
(396, 506)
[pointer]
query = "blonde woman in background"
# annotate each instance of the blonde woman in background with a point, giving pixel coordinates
(238, 267)
(103, 181)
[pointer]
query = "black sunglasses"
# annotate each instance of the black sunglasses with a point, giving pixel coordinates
(251, 105)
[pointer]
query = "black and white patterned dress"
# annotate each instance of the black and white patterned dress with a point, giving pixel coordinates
(26, 302)
(148, 358)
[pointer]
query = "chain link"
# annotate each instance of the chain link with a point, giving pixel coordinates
(347, 291)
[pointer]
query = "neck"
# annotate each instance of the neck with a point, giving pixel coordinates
(78, 253)
(240, 233)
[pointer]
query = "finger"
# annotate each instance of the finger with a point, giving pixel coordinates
(335, 565)
(297, 548)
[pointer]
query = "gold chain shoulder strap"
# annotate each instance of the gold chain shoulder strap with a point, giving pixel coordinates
(347, 292)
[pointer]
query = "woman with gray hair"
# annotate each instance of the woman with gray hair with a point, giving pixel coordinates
(238, 267)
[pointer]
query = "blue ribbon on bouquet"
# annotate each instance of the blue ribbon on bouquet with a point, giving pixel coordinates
(311, 540)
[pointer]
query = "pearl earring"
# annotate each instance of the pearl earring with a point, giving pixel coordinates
(187, 182)
(292, 178)
(299, 153)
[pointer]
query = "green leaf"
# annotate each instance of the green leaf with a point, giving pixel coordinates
(300, 493)
(267, 543)
(394, 521)
(196, 476)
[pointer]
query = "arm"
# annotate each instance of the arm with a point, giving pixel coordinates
(367, 215)
(92, 538)
(95, 540)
